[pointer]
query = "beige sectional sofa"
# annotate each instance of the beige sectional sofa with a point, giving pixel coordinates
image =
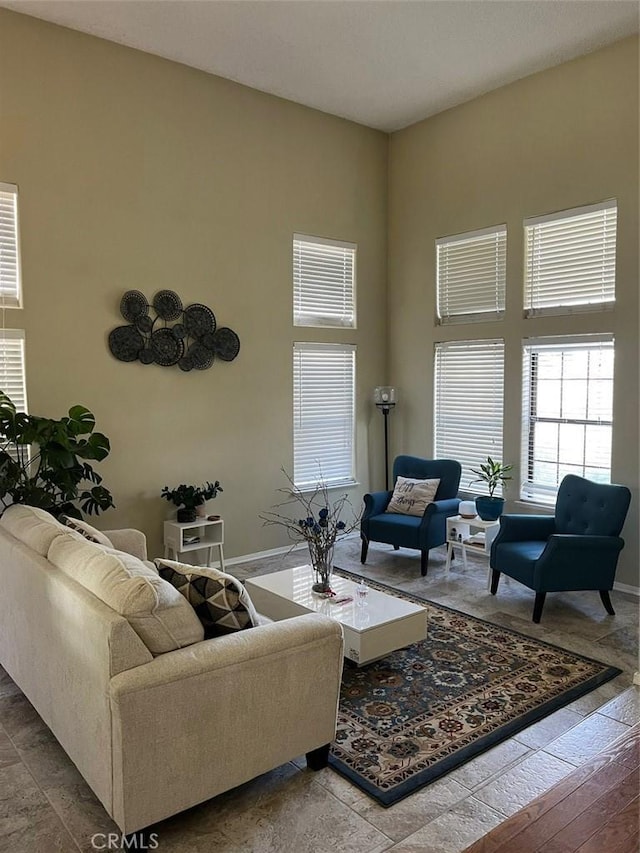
(112, 657)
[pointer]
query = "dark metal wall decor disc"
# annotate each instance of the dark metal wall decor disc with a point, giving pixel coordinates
(146, 356)
(200, 357)
(198, 320)
(208, 340)
(226, 344)
(179, 331)
(167, 305)
(166, 348)
(125, 342)
(185, 364)
(133, 305)
(144, 324)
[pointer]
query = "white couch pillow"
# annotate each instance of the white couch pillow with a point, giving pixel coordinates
(411, 497)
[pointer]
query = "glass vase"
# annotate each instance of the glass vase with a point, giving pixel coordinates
(322, 566)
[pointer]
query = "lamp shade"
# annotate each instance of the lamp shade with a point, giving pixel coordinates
(384, 395)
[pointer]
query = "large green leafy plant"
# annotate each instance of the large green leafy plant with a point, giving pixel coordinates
(43, 461)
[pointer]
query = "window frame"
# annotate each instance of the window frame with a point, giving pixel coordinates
(532, 491)
(536, 300)
(15, 335)
(306, 475)
(10, 228)
(493, 351)
(446, 255)
(304, 316)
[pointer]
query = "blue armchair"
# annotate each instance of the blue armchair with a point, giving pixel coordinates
(410, 531)
(575, 550)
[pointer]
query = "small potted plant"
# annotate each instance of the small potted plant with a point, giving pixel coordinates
(493, 474)
(189, 498)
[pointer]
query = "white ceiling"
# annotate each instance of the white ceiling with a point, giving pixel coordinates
(382, 63)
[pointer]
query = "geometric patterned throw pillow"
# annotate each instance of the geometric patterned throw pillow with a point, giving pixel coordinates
(90, 533)
(220, 601)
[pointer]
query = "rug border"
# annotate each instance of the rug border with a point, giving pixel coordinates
(462, 756)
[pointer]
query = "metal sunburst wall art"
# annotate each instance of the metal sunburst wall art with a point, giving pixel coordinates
(193, 341)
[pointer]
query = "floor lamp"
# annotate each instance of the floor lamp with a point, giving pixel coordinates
(385, 399)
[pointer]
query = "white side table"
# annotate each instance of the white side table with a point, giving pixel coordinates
(210, 535)
(459, 534)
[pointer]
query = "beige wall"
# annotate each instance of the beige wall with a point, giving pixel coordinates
(136, 172)
(562, 138)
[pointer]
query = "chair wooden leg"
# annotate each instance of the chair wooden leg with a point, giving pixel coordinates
(364, 549)
(604, 595)
(538, 605)
(495, 580)
(424, 559)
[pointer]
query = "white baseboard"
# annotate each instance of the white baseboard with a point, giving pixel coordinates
(625, 587)
(244, 558)
(301, 546)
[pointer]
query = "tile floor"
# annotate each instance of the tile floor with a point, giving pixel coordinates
(45, 805)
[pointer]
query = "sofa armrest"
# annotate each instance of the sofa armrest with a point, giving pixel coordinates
(525, 528)
(375, 504)
(129, 540)
(206, 718)
(578, 561)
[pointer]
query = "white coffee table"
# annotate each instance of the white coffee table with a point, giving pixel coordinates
(371, 630)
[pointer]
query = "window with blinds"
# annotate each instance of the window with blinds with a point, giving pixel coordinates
(10, 284)
(12, 373)
(471, 275)
(567, 416)
(324, 277)
(323, 413)
(570, 260)
(468, 405)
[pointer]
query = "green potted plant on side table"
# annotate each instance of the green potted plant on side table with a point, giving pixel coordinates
(494, 474)
(189, 498)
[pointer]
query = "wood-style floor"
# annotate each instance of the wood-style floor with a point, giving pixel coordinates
(593, 810)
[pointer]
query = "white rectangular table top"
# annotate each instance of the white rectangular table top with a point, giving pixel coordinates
(383, 623)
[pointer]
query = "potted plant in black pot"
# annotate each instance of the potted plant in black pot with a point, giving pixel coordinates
(492, 473)
(189, 498)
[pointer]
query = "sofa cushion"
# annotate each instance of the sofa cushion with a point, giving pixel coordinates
(34, 527)
(411, 496)
(154, 608)
(86, 530)
(220, 601)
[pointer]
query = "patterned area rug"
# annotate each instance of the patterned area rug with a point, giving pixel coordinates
(408, 719)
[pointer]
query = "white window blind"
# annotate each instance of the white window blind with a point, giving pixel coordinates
(570, 260)
(324, 274)
(323, 413)
(10, 284)
(12, 373)
(468, 405)
(471, 275)
(567, 417)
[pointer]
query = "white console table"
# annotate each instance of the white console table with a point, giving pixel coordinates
(210, 533)
(459, 535)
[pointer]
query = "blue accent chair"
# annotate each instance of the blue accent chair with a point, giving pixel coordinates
(411, 531)
(575, 550)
